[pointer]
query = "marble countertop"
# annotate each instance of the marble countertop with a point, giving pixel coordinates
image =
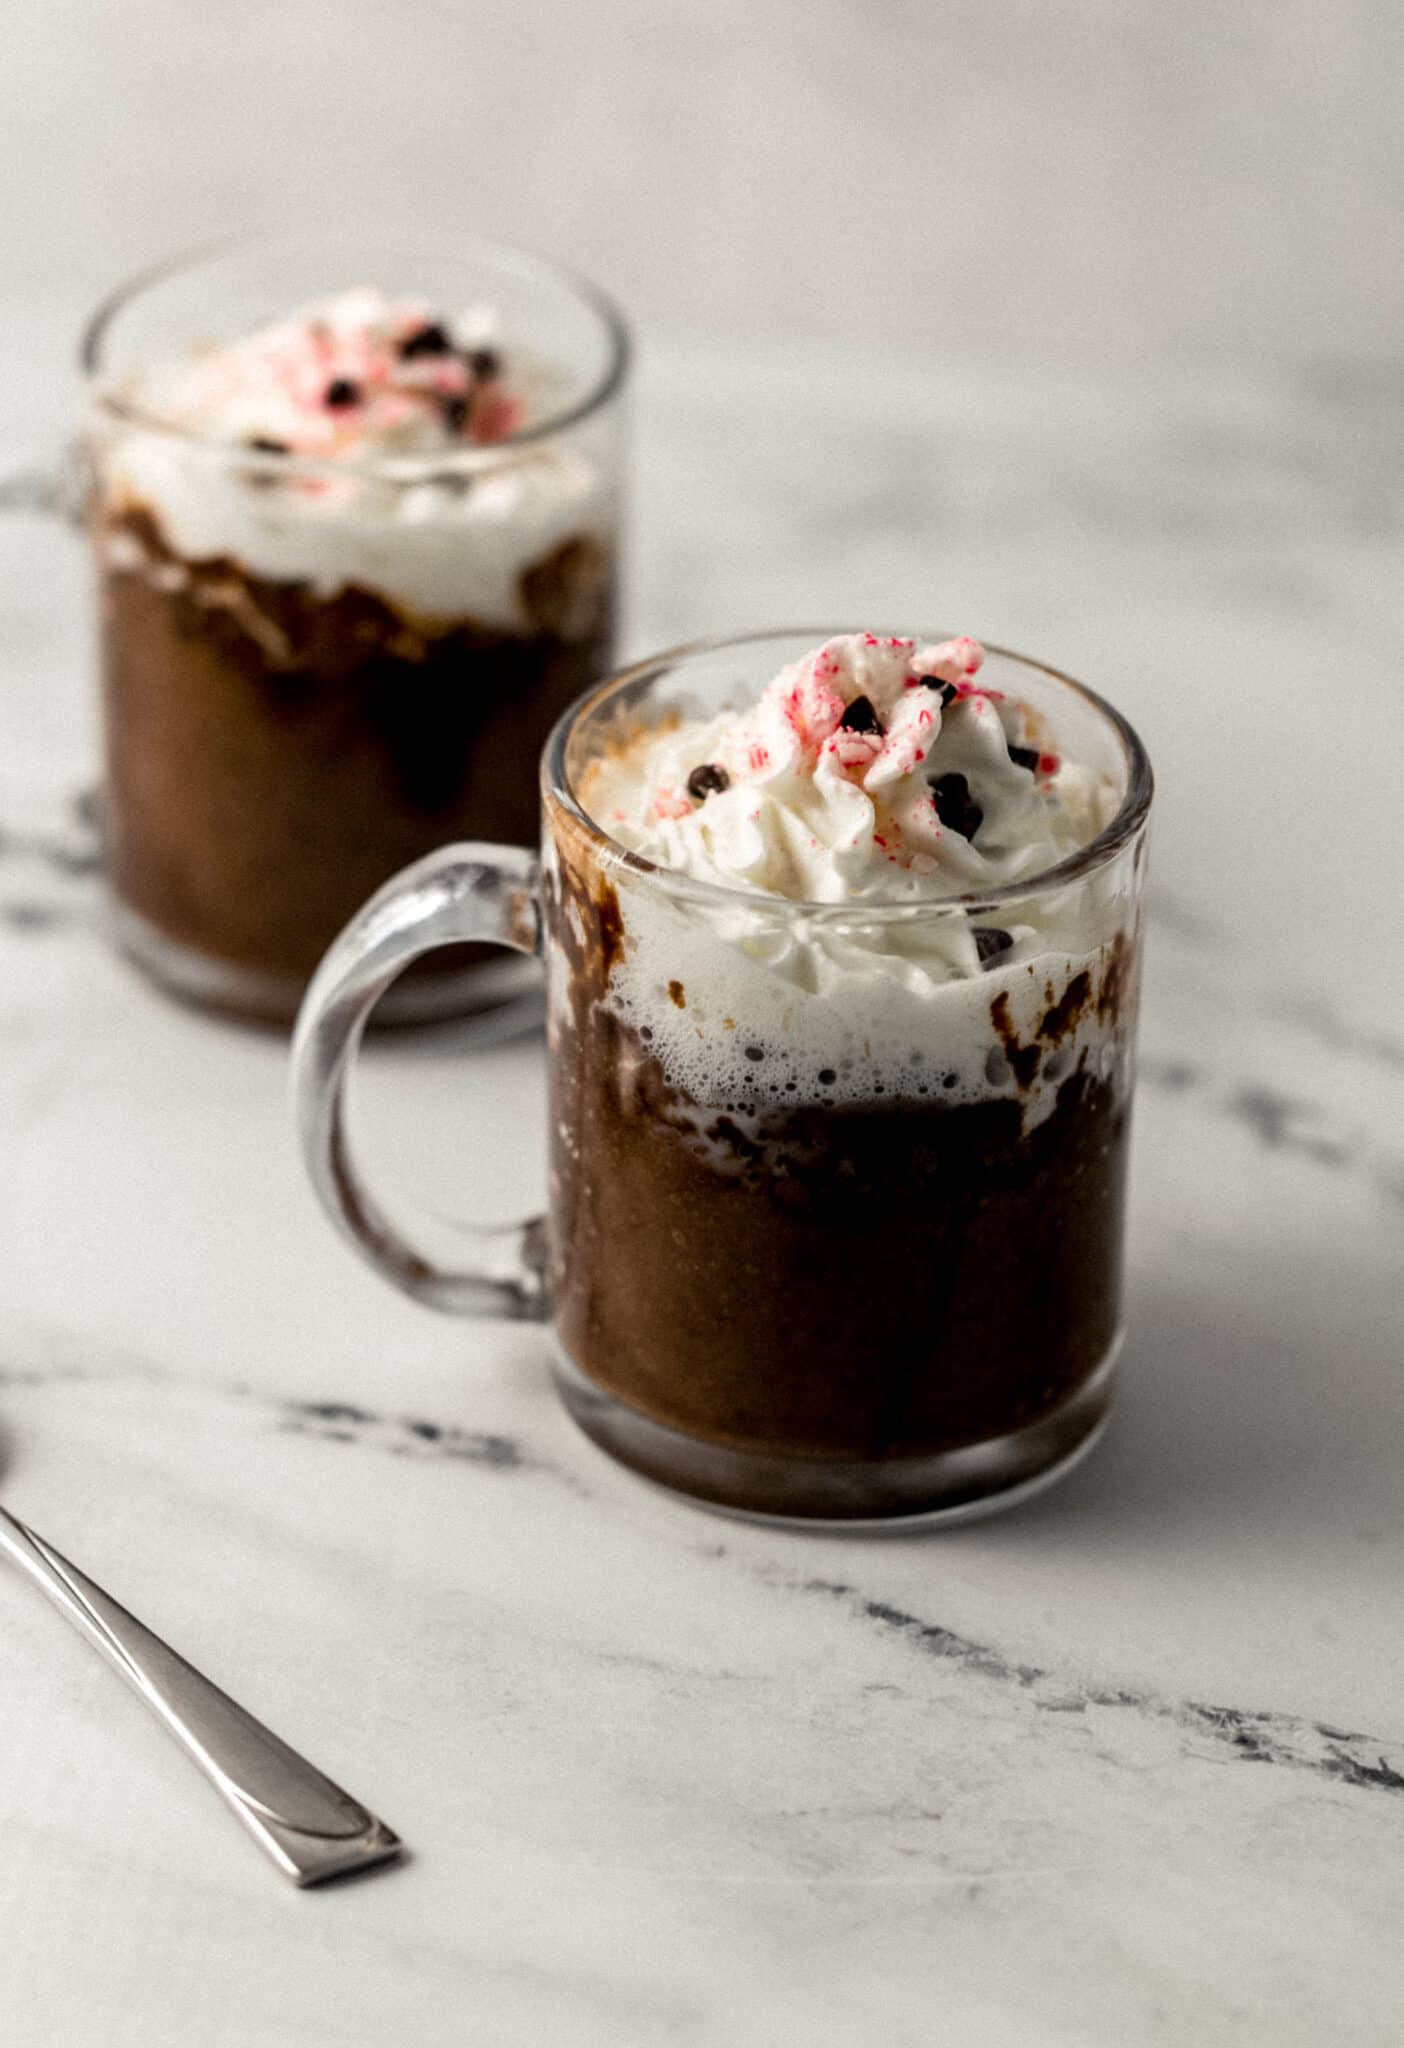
(1124, 1766)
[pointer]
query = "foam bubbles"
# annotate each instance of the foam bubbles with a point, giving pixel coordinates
(735, 1035)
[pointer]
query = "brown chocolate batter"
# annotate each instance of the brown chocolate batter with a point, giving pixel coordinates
(878, 1281)
(273, 756)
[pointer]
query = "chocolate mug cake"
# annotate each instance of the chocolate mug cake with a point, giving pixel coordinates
(827, 1191)
(353, 564)
(842, 984)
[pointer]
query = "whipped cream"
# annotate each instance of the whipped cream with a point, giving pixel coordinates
(355, 376)
(872, 769)
(427, 498)
(873, 779)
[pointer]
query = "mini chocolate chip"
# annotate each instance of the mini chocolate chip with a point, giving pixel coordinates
(990, 942)
(949, 693)
(861, 717)
(430, 340)
(1024, 757)
(342, 392)
(455, 414)
(827, 1077)
(954, 806)
(708, 780)
(484, 362)
(264, 444)
(755, 1052)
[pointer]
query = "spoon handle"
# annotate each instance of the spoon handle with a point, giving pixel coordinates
(308, 1826)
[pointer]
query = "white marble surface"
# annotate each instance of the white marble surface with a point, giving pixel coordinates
(1126, 1766)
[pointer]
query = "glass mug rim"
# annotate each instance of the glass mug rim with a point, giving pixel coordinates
(1100, 852)
(403, 468)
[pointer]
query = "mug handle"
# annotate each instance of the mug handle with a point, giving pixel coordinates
(48, 814)
(464, 892)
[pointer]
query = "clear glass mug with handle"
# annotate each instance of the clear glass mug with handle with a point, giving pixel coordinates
(314, 669)
(848, 1254)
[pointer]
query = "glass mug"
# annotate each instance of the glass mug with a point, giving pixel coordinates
(821, 1244)
(315, 670)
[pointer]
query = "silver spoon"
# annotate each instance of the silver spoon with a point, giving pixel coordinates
(309, 1827)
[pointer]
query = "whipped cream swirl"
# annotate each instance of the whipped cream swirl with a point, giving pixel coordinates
(355, 375)
(872, 781)
(871, 769)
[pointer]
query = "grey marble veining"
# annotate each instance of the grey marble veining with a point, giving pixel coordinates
(1125, 1766)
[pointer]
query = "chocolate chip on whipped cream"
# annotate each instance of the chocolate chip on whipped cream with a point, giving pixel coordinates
(707, 780)
(873, 769)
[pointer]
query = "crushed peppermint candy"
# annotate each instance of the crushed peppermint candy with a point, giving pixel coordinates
(872, 766)
(356, 374)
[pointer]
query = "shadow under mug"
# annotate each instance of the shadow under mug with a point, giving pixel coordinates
(827, 1240)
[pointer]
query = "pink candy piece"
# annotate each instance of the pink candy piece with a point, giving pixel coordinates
(669, 804)
(812, 706)
(446, 375)
(496, 417)
(852, 750)
(951, 661)
(910, 736)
